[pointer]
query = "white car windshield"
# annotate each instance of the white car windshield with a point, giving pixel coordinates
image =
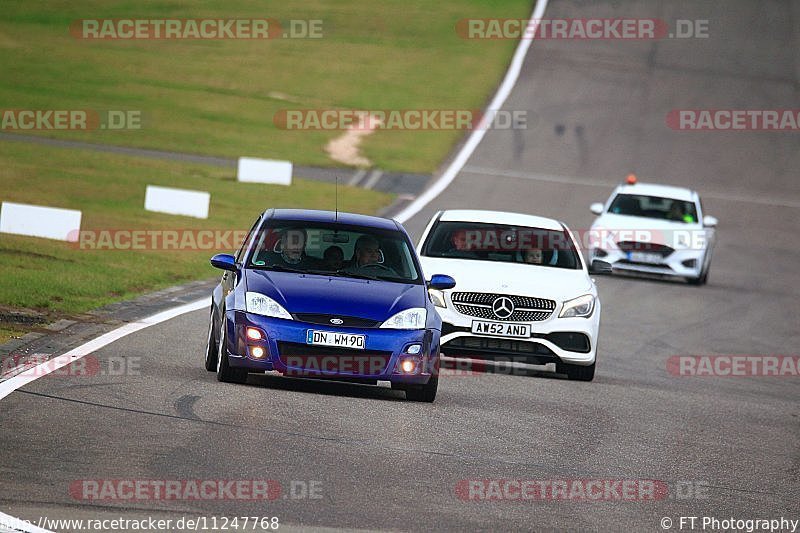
(638, 205)
(502, 244)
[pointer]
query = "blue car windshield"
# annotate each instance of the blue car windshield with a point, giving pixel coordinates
(333, 249)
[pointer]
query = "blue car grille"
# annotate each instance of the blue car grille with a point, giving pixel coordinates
(346, 321)
(305, 356)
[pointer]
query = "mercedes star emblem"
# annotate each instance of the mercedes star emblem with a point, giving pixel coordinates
(503, 307)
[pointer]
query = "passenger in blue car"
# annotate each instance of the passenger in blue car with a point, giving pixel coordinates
(293, 244)
(333, 258)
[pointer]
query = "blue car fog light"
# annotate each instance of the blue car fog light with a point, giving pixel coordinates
(257, 352)
(409, 365)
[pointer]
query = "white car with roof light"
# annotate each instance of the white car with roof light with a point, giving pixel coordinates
(654, 229)
(524, 294)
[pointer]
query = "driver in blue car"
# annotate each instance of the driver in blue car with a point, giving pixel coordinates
(368, 255)
(368, 251)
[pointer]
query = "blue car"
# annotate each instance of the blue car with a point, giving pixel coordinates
(326, 295)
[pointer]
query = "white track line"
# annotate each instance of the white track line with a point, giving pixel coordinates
(476, 136)
(10, 385)
(9, 523)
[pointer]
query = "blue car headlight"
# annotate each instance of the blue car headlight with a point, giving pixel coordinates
(259, 304)
(413, 318)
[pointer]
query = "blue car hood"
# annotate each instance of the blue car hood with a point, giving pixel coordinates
(299, 293)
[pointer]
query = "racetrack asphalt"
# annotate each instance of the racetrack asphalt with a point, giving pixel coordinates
(597, 113)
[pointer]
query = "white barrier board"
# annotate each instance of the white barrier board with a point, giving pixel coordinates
(177, 201)
(252, 170)
(40, 221)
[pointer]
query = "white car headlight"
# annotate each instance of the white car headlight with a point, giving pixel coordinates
(582, 306)
(259, 304)
(437, 297)
(413, 318)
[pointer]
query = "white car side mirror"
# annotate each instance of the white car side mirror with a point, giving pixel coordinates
(709, 221)
(596, 208)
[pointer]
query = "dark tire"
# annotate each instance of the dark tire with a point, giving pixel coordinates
(425, 393)
(702, 280)
(577, 372)
(211, 346)
(224, 371)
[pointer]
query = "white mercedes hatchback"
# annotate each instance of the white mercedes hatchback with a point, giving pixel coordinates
(524, 295)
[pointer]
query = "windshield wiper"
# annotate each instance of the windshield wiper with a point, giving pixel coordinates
(281, 268)
(350, 274)
(323, 272)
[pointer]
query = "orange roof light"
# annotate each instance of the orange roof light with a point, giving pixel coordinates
(631, 179)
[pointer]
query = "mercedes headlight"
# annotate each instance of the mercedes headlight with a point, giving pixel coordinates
(259, 304)
(413, 318)
(437, 297)
(582, 306)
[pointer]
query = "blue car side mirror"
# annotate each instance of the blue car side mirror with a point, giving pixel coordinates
(441, 282)
(224, 262)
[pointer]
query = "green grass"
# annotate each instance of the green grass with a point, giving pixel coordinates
(219, 97)
(57, 278)
(8, 333)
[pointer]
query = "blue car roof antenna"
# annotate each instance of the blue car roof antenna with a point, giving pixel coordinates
(336, 218)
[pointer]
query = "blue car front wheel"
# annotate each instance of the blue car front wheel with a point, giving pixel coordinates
(224, 371)
(211, 346)
(427, 392)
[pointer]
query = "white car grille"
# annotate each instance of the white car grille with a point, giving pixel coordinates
(481, 305)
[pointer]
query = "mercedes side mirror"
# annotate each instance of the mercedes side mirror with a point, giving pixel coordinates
(600, 267)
